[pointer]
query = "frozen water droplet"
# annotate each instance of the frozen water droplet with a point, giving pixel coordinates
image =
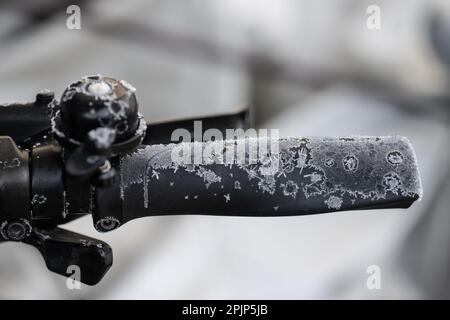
(394, 157)
(350, 163)
(99, 88)
(334, 202)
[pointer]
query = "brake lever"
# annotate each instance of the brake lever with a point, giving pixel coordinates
(62, 248)
(93, 153)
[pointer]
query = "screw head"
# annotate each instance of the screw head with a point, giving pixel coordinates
(107, 224)
(15, 230)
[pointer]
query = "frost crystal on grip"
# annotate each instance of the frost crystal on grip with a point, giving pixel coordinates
(370, 159)
(333, 173)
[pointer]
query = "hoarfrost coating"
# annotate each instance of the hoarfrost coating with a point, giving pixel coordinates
(338, 171)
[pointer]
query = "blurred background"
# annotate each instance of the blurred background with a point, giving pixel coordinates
(305, 67)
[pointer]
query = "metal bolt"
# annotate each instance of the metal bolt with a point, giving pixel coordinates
(16, 230)
(107, 224)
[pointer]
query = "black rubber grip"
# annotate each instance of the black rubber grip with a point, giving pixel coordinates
(307, 175)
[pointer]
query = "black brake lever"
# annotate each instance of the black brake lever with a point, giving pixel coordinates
(62, 249)
(93, 153)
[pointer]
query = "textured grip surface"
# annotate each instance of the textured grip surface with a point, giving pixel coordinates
(312, 175)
